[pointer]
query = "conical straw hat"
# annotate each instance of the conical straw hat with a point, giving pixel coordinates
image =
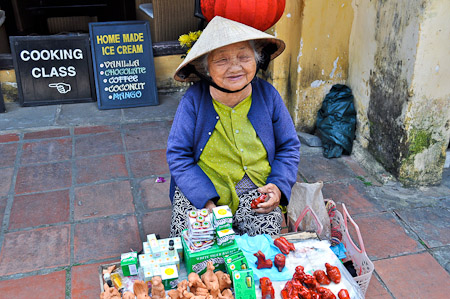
(222, 32)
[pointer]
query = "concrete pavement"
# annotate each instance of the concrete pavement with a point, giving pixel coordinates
(77, 188)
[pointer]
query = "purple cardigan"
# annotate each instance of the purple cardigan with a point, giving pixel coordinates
(196, 118)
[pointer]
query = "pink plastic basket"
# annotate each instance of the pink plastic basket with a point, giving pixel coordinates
(361, 262)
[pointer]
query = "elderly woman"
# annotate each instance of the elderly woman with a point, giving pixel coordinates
(232, 137)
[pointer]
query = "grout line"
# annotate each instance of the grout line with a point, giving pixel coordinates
(138, 207)
(71, 219)
(378, 277)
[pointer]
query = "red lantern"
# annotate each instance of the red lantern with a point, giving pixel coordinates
(260, 14)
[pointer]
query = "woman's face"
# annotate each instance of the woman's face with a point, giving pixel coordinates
(233, 66)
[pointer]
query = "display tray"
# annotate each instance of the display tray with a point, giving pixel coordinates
(293, 237)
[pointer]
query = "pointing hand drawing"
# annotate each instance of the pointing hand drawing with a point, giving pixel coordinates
(61, 87)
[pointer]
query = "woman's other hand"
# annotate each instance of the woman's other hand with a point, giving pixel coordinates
(274, 195)
(210, 205)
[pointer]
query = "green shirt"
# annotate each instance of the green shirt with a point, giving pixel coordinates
(233, 150)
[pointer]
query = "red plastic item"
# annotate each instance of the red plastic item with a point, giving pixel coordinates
(254, 204)
(267, 289)
(321, 277)
(288, 244)
(325, 293)
(343, 294)
(333, 273)
(304, 293)
(280, 261)
(282, 246)
(311, 282)
(265, 13)
(262, 262)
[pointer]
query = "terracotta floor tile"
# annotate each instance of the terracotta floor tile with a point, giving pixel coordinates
(6, 175)
(157, 222)
(51, 285)
(39, 209)
(89, 145)
(105, 238)
(44, 177)
(383, 237)
(148, 163)
(101, 168)
(47, 134)
(431, 224)
(103, 200)
(9, 152)
(376, 290)
(32, 250)
(9, 138)
(414, 276)
(154, 195)
(51, 150)
(354, 196)
(318, 168)
(146, 138)
(85, 281)
(94, 130)
(147, 125)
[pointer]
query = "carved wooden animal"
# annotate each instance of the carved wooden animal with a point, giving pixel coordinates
(224, 280)
(195, 283)
(158, 288)
(209, 278)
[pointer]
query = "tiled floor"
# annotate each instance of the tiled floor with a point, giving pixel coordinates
(74, 197)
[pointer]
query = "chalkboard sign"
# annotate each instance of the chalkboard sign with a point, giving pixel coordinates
(123, 64)
(53, 69)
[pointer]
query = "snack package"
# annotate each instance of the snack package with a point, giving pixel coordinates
(222, 217)
(225, 237)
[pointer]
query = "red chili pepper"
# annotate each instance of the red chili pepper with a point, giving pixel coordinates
(333, 273)
(343, 294)
(280, 261)
(267, 289)
(255, 202)
(321, 277)
(281, 245)
(262, 262)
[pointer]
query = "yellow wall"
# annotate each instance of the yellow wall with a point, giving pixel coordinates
(317, 35)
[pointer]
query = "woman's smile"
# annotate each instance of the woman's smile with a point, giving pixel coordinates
(233, 66)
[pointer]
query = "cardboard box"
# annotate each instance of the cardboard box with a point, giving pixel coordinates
(244, 284)
(129, 263)
(236, 262)
(225, 237)
(196, 261)
(169, 276)
(222, 217)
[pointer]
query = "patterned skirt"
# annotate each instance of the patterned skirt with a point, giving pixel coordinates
(245, 220)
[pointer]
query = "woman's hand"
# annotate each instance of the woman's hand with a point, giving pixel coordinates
(274, 195)
(210, 205)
